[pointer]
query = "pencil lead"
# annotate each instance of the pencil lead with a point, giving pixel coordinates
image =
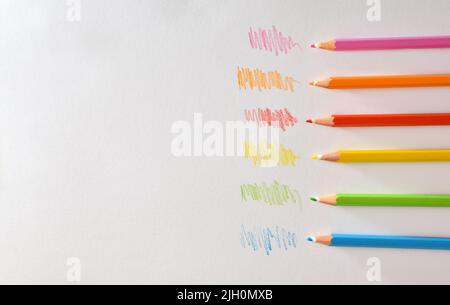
(317, 157)
(313, 83)
(311, 239)
(314, 198)
(310, 121)
(314, 46)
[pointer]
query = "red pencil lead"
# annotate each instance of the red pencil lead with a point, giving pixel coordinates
(310, 121)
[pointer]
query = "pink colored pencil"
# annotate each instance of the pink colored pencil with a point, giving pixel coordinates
(392, 43)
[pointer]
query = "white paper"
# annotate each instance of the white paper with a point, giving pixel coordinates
(88, 179)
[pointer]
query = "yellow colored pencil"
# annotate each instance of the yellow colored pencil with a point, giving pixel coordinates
(367, 156)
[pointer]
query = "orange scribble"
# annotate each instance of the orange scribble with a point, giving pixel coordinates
(257, 79)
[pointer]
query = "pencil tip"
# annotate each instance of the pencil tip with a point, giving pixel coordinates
(314, 198)
(316, 157)
(310, 121)
(311, 239)
(313, 45)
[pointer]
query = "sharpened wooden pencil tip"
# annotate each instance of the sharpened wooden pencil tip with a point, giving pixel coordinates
(310, 121)
(313, 45)
(314, 198)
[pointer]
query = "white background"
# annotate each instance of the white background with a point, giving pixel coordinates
(86, 168)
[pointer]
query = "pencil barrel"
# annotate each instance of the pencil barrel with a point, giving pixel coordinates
(389, 200)
(365, 44)
(394, 242)
(394, 156)
(398, 81)
(391, 120)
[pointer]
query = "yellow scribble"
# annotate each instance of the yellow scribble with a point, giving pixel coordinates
(287, 156)
(268, 155)
(257, 79)
(274, 194)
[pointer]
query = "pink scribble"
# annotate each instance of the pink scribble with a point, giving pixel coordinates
(281, 118)
(271, 41)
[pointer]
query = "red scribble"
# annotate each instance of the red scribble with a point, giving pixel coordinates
(281, 118)
(271, 40)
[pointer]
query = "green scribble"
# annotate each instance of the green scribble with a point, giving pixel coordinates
(274, 194)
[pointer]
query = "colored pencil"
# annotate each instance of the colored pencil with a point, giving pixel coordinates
(389, 43)
(380, 241)
(384, 200)
(360, 156)
(383, 81)
(378, 120)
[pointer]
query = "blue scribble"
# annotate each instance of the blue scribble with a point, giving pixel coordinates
(266, 238)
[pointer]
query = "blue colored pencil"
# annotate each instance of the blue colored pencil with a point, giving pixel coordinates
(374, 241)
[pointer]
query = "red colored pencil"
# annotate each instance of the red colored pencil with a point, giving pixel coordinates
(376, 120)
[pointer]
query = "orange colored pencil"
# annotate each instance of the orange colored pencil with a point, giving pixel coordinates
(377, 120)
(385, 81)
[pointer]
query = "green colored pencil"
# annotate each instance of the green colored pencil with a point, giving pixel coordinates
(385, 200)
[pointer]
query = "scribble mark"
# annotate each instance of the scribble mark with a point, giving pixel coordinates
(269, 154)
(257, 79)
(266, 239)
(281, 118)
(274, 194)
(287, 156)
(271, 40)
